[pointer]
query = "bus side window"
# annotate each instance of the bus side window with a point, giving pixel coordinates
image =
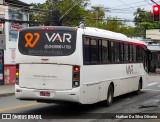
(130, 53)
(99, 50)
(122, 52)
(117, 52)
(134, 53)
(86, 51)
(104, 51)
(126, 52)
(139, 54)
(94, 50)
(111, 51)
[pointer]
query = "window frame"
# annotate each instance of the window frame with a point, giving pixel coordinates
(111, 56)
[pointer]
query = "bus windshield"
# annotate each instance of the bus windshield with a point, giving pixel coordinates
(47, 41)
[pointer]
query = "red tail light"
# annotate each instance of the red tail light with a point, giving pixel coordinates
(17, 67)
(76, 76)
(76, 68)
(17, 74)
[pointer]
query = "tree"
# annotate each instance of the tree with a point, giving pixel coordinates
(113, 24)
(68, 11)
(144, 19)
(142, 16)
(77, 11)
(37, 14)
(71, 12)
(95, 17)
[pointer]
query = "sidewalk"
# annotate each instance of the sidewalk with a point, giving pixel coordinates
(6, 90)
(154, 74)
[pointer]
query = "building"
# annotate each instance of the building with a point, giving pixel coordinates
(153, 34)
(13, 13)
(153, 44)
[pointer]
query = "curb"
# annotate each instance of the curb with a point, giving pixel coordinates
(6, 94)
(154, 74)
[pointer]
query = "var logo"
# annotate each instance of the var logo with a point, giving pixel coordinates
(31, 39)
(129, 69)
(57, 37)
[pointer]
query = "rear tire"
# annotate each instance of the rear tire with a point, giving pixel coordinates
(139, 88)
(109, 100)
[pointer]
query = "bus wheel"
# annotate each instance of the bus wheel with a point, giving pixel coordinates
(139, 88)
(110, 96)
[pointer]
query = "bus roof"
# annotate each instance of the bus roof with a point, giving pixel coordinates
(111, 35)
(50, 28)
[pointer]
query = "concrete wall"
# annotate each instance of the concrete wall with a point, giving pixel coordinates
(11, 31)
(153, 34)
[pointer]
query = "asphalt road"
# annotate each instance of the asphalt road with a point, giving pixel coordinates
(147, 102)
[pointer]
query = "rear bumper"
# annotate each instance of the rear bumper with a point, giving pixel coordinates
(55, 95)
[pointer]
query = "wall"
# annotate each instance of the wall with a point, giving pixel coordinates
(153, 34)
(11, 31)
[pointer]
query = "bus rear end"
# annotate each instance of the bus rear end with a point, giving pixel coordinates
(47, 69)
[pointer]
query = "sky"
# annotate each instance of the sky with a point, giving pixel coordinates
(122, 9)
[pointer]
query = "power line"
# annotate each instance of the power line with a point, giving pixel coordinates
(135, 6)
(125, 4)
(28, 22)
(86, 18)
(155, 2)
(128, 4)
(123, 12)
(124, 20)
(146, 1)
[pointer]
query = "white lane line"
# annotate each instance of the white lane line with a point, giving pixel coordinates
(150, 90)
(151, 84)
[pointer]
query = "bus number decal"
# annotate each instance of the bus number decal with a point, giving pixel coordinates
(129, 69)
(29, 39)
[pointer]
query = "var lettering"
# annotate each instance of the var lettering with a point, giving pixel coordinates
(56, 37)
(129, 69)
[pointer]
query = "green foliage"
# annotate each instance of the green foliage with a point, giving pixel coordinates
(144, 19)
(120, 27)
(71, 11)
(95, 17)
(74, 11)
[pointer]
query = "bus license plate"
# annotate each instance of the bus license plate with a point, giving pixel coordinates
(44, 93)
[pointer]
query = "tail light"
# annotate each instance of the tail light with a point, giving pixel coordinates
(17, 74)
(76, 76)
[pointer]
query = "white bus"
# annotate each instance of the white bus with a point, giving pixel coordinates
(82, 65)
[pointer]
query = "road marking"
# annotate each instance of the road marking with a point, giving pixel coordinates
(151, 90)
(19, 106)
(152, 84)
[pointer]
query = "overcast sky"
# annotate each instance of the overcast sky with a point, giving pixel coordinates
(123, 9)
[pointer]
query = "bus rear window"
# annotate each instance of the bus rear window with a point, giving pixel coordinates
(38, 42)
